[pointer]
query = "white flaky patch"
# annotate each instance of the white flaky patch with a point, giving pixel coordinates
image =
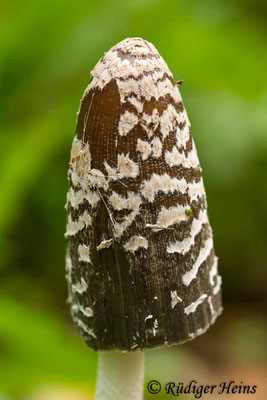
(136, 103)
(83, 162)
(203, 254)
(75, 198)
(135, 243)
(150, 122)
(196, 190)
(148, 317)
(173, 157)
(127, 122)
(128, 86)
(68, 267)
(172, 215)
(124, 70)
(76, 181)
(127, 168)
(155, 227)
(92, 197)
(144, 148)
(212, 311)
(84, 253)
(86, 311)
(80, 152)
(155, 327)
(192, 161)
(199, 331)
(80, 162)
(168, 120)
(85, 328)
(76, 148)
(217, 287)
(85, 218)
(175, 299)
(73, 227)
(68, 264)
(162, 183)
(80, 287)
(118, 202)
(183, 117)
(213, 271)
(140, 48)
(101, 77)
(176, 157)
(148, 89)
(150, 64)
(104, 244)
(193, 306)
(137, 47)
(112, 172)
(183, 246)
(165, 88)
(157, 75)
(156, 147)
(132, 203)
(182, 136)
(95, 177)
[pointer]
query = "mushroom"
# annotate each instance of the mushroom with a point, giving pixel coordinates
(141, 267)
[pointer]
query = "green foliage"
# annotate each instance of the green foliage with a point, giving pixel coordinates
(36, 348)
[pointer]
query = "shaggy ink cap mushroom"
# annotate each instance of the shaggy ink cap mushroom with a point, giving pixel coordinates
(141, 266)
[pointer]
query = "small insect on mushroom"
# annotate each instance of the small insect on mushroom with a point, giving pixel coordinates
(135, 180)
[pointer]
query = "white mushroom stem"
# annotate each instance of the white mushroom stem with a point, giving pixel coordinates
(120, 375)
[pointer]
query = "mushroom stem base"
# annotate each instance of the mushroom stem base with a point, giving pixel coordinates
(120, 376)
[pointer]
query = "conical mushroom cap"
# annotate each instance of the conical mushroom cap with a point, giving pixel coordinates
(141, 265)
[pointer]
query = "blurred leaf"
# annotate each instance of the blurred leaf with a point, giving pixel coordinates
(23, 160)
(37, 349)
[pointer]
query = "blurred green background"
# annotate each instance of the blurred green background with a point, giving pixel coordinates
(47, 49)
